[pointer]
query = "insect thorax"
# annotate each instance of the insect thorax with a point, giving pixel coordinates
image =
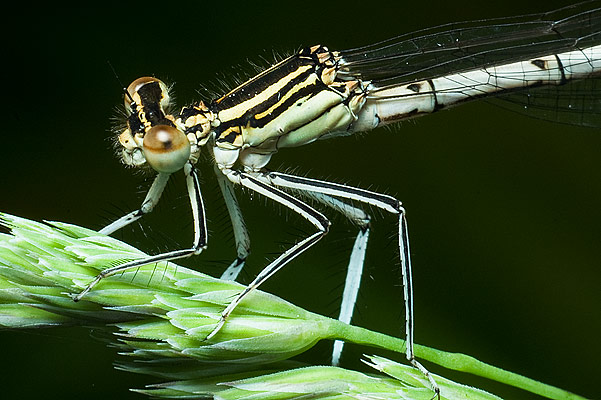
(292, 103)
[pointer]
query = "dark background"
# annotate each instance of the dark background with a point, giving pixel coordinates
(504, 210)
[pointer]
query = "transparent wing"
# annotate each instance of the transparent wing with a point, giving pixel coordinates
(576, 103)
(454, 48)
(457, 47)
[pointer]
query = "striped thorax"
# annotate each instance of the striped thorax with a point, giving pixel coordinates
(290, 104)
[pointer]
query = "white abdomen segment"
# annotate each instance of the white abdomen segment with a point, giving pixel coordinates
(391, 104)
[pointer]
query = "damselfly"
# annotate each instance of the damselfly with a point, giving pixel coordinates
(554, 59)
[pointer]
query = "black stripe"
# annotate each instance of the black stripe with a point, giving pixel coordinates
(407, 261)
(249, 116)
(190, 111)
(150, 99)
(307, 122)
(301, 249)
(563, 80)
(171, 255)
(297, 95)
(382, 198)
(134, 124)
(201, 210)
(194, 129)
(310, 90)
(229, 138)
(437, 105)
(323, 221)
(261, 82)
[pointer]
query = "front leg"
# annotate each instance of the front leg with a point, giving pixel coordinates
(151, 200)
(200, 235)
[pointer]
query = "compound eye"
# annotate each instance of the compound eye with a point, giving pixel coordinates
(166, 148)
(135, 86)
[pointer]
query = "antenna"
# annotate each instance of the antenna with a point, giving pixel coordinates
(119, 80)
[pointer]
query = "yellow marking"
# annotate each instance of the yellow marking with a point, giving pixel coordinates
(324, 56)
(311, 79)
(313, 105)
(331, 121)
(127, 140)
(328, 75)
(351, 85)
(237, 142)
(239, 110)
(256, 77)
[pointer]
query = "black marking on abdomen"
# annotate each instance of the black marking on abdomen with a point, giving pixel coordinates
(437, 105)
(415, 87)
(379, 119)
(398, 117)
(563, 80)
(542, 64)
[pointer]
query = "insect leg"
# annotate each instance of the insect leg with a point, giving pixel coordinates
(151, 200)
(200, 235)
(384, 202)
(322, 224)
(356, 261)
(240, 233)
